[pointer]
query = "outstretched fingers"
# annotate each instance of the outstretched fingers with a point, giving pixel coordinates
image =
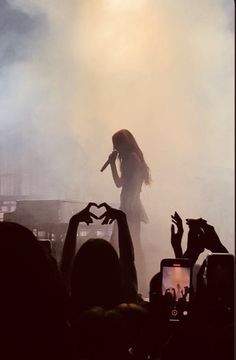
(177, 221)
(177, 216)
(105, 205)
(90, 204)
(108, 219)
(172, 229)
(174, 221)
(93, 216)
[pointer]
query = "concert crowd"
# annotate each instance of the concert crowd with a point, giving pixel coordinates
(88, 305)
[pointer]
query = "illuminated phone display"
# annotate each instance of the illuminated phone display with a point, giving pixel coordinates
(176, 288)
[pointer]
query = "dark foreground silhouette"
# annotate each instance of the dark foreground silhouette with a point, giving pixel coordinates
(88, 307)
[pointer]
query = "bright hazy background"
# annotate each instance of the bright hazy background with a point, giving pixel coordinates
(74, 72)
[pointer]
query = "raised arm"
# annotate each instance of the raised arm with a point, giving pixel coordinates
(211, 239)
(195, 244)
(176, 237)
(69, 248)
(115, 175)
(127, 259)
(126, 251)
(202, 236)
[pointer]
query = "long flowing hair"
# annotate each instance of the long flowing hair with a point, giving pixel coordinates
(130, 144)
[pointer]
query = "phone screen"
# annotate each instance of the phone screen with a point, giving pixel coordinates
(176, 284)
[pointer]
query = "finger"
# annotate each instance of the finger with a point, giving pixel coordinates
(93, 216)
(103, 215)
(203, 235)
(209, 229)
(106, 206)
(111, 221)
(105, 221)
(175, 222)
(172, 229)
(90, 204)
(88, 220)
(179, 221)
(187, 221)
(177, 216)
(204, 225)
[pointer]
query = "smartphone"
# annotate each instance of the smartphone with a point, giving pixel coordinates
(219, 279)
(176, 288)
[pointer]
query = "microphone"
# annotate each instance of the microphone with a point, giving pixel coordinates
(105, 165)
(108, 161)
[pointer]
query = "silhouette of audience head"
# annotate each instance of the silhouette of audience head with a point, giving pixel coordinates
(99, 334)
(136, 325)
(96, 276)
(32, 297)
(108, 334)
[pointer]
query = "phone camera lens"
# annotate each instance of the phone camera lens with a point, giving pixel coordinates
(174, 312)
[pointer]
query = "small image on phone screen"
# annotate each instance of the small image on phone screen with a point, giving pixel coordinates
(176, 284)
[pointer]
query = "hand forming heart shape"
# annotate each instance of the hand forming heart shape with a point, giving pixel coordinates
(96, 210)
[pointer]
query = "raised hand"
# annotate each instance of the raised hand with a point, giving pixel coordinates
(211, 239)
(85, 215)
(126, 250)
(176, 237)
(110, 214)
(112, 157)
(69, 247)
(195, 245)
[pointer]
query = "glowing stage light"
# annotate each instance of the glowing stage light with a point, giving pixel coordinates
(124, 5)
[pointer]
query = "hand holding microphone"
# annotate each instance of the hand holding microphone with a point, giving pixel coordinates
(112, 157)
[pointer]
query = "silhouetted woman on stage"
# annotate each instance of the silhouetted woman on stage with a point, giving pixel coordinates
(130, 176)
